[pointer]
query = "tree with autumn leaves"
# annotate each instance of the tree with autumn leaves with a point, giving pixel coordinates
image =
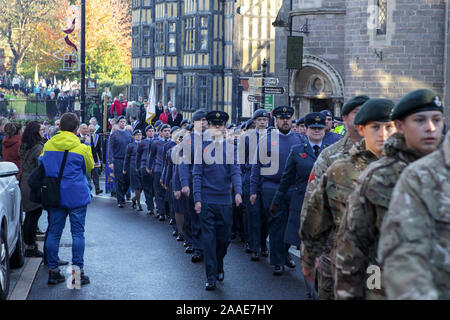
(108, 36)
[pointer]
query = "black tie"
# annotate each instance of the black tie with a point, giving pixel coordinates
(316, 150)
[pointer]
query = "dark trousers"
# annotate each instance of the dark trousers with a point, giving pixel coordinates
(30, 226)
(195, 227)
(187, 227)
(95, 177)
(170, 199)
(122, 181)
(239, 222)
(159, 193)
(147, 184)
(216, 222)
(277, 226)
(257, 222)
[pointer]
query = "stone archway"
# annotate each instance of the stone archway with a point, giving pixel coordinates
(316, 85)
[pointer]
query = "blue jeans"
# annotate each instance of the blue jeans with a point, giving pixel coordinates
(57, 221)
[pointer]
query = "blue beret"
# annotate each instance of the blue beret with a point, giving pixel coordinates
(174, 128)
(189, 127)
(260, 113)
(120, 118)
(301, 121)
(327, 113)
(149, 127)
(137, 131)
(163, 126)
(198, 115)
(183, 122)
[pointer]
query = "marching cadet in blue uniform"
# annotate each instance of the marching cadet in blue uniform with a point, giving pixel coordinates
(118, 144)
(213, 197)
(296, 173)
(129, 167)
(279, 141)
(141, 160)
(166, 180)
(301, 126)
(155, 165)
(330, 136)
(256, 219)
(192, 219)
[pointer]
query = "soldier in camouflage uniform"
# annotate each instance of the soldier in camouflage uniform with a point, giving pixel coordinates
(420, 122)
(414, 246)
(328, 201)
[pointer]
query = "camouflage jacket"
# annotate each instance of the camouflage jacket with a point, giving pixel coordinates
(359, 233)
(414, 245)
(336, 151)
(327, 203)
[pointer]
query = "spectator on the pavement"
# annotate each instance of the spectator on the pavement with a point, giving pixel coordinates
(118, 106)
(11, 143)
(3, 122)
(29, 151)
(175, 118)
(50, 106)
(159, 109)
(132, 111)
(79, 163)
(164, 117)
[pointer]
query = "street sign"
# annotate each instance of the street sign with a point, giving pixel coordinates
(268, 102)
(255, 82)
(257, 74)
(273, 90)
(254, 99)
(270, 82)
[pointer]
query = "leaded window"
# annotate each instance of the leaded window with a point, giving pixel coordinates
(159, 38)
(202, 91)
(188, 92)
(172, 37)
(204, 33)
(135, 42)
(146, 45)
(382, 17)
(190, 34)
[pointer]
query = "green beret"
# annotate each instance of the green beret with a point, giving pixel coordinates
(417, 101)
(353, 103)
(374, 110)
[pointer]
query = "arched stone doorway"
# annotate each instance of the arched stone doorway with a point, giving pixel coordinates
(317, 86)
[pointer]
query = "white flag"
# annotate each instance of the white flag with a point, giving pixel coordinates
(151, 104)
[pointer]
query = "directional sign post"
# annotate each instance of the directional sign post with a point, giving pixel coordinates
(254, 99)
(270, 82)
(273, 90)
(268, 102)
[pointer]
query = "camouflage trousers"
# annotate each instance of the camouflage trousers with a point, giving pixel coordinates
(325, 279)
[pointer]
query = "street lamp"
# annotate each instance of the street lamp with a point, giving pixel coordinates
(264, 70)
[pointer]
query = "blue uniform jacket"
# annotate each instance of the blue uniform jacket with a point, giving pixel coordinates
(142, 153)
(130, 157)
(118, 143)
(286, 141)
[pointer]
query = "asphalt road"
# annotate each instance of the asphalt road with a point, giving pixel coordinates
(130, 255)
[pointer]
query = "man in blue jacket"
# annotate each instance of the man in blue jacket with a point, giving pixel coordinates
(213, 181)
(267, 177)
(118, 142)
(79, 162)
(141, 161)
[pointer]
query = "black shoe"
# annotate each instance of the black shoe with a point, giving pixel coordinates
(185, 244)
(97, 192)
(55, 277)
(264, 252)
(84, 279)
(189, 250)
(150, 212)
(278, 270)
(196, 257)
(247, 248)
(120, 205)
(33, 253)
(139, 208)
(171, 221)
(63, 262)
(134, 204)
(162, 217)
(289, 262)
(220, 276)
(180, 237)
(210, 286)
(255, 256)
(175, 234)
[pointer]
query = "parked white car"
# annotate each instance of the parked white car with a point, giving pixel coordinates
(12, 248)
